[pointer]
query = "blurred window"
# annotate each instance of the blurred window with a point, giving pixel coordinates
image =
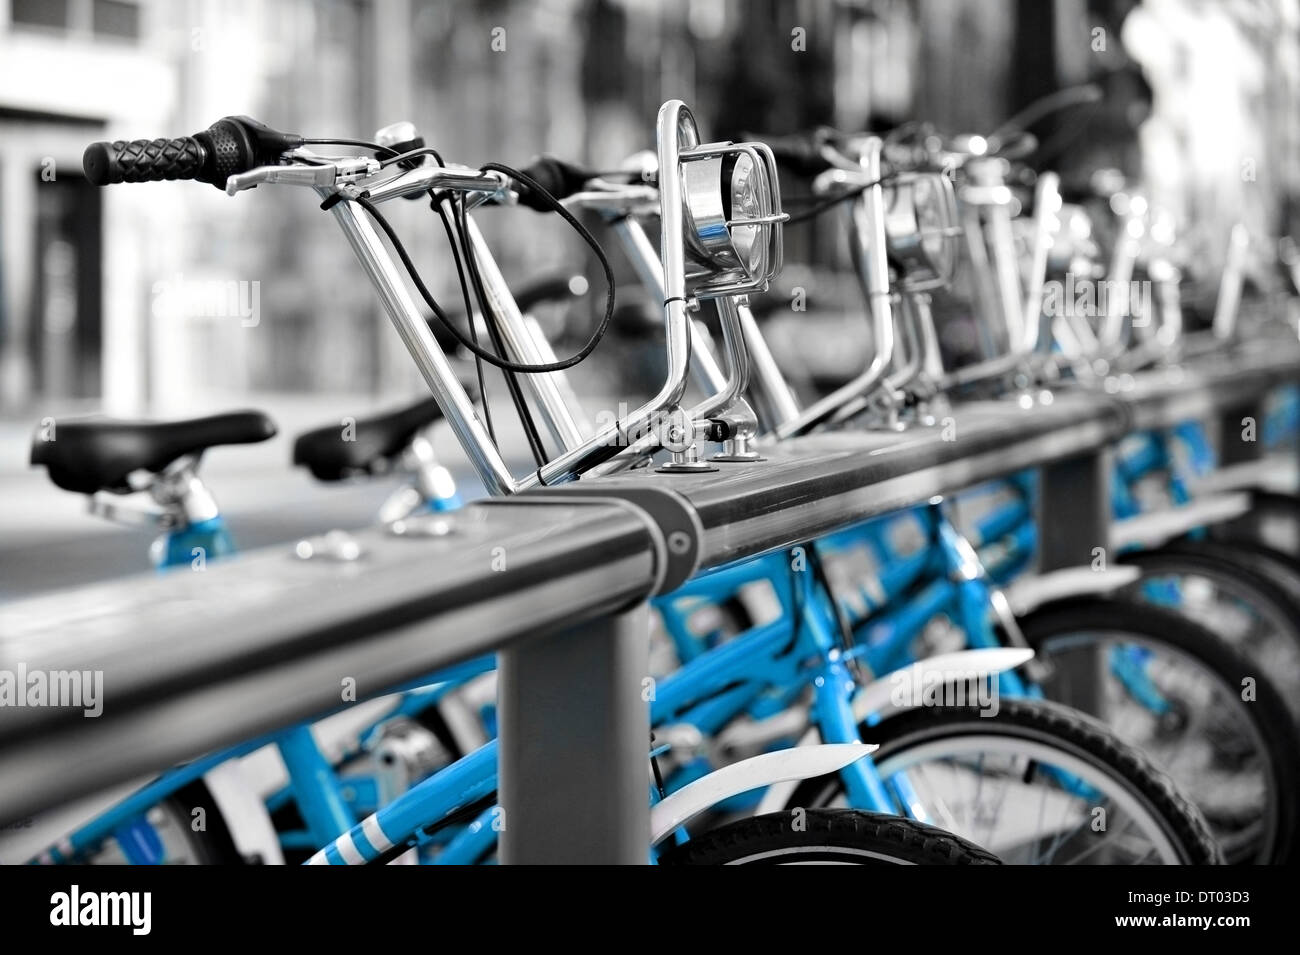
(80, 18)
(41, 13)
(117, 18)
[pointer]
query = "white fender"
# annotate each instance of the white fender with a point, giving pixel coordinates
(1028, 593)
(1152, 530)
(778, 796)
(878, 695)
(796, 763)
(1273, 472)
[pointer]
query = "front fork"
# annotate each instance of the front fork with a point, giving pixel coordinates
(976, 597)
(834, 688)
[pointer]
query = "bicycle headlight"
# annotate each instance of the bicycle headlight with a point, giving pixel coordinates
(922, 231)
(728, 204)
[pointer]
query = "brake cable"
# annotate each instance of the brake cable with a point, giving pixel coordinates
(481, 354)
(472, 346)
(393, 157)
(824, 204)
(464, 289)
(359, 143)
(490, 320)
(413, 154)
(469, 311)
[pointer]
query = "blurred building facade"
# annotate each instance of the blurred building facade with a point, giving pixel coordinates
(134, 299)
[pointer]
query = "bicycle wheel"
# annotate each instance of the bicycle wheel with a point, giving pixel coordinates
(827, 837)
(1037, 784)
(1233, 595)
(1174, 689)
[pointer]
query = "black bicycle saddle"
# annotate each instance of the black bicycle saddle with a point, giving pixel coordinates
(95, 454)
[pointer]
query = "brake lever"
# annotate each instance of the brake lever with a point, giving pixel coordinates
(333, 173)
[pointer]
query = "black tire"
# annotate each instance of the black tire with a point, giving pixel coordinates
(843, 836)
(1259, 571)
(1055, 629)
(1045, 724)
(1254, 555)
(1246, 578)
(216, 845)
(1277, 565)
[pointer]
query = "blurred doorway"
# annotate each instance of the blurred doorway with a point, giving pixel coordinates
(65, 335)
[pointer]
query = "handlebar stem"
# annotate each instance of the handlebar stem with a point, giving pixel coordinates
(415, 334)
(518, 341)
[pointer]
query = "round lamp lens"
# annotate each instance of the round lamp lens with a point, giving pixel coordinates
(744, 203)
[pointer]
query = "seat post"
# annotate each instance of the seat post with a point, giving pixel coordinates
(179, 496)
(180, 491)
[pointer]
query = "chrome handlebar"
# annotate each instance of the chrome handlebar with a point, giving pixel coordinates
(362, 175)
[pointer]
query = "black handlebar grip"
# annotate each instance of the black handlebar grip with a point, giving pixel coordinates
(561, 179)
(144, 160)
(231, 145)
